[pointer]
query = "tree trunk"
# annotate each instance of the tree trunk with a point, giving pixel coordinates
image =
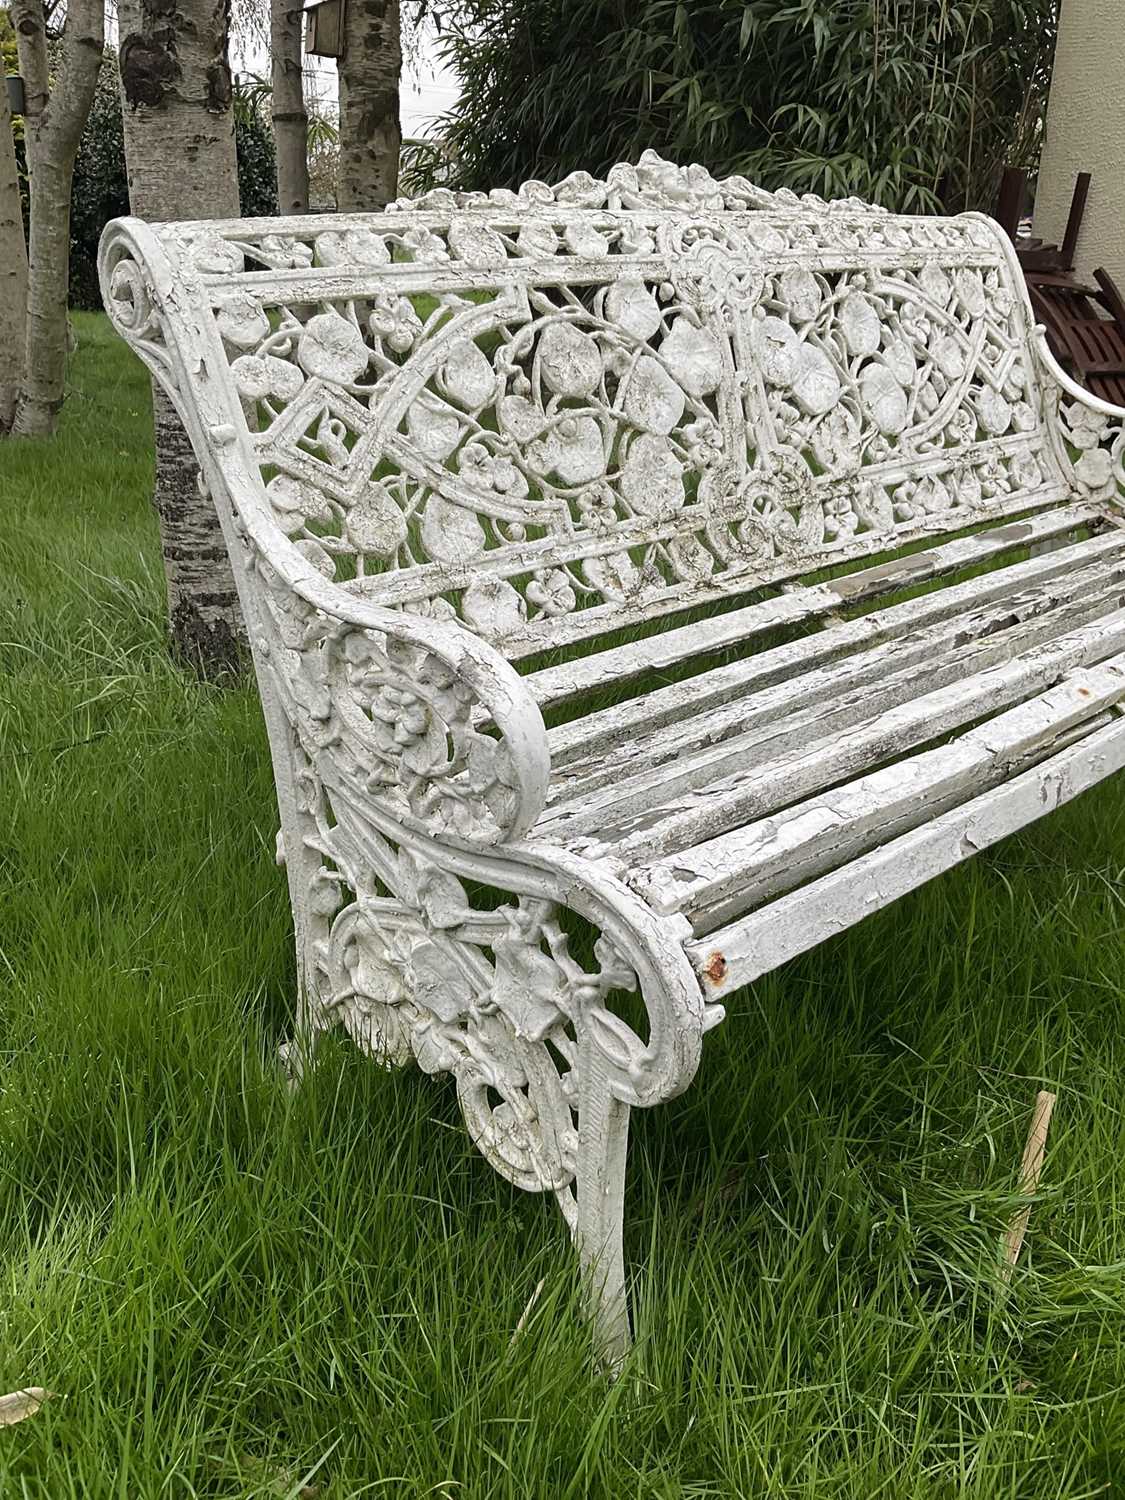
(54, 123)
(179, 151)
(370, 133)
(13, 271)
(290, 119)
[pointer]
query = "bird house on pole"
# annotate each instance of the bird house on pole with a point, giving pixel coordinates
(17, 96)
(325, 34)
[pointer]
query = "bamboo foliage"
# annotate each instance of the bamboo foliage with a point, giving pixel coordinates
(915, 104)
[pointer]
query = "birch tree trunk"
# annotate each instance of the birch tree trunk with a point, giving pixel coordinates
(290, 119)
(54, 123)
(13, 271)
(179, 152)
(370, 133)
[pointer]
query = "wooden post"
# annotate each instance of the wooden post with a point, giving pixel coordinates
(1030, 1171)
(1010, 200)
(1074, 221)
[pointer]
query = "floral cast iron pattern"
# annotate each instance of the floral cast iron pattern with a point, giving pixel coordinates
(526, 405)
(492, 998)
(542, 415)
(394, 717)
(397, 954)
(386, 761)
(1095, 446)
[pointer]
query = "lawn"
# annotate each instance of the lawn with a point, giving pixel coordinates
(235, 1292)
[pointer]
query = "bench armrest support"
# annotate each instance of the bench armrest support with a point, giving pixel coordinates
(440, 730)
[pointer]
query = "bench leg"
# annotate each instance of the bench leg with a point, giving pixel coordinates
(297, 1056)
(394, 949)
(603, 1141)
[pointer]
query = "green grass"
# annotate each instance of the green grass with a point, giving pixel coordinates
(228, 1287)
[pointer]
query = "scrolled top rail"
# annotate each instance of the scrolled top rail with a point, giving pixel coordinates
(1089, 431)
(653, 182)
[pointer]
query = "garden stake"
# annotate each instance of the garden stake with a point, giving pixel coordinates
(1030, 1170)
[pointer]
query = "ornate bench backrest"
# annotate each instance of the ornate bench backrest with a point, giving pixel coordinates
(556, 412)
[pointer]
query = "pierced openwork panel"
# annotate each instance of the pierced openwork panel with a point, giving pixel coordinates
(539, 412)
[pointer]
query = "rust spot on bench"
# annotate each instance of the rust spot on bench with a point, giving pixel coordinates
(715, 968)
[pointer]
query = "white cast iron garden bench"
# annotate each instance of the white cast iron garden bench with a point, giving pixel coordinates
(579, 533)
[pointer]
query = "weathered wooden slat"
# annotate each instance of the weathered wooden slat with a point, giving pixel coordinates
(646, 817)
(862, 684)
(755, 944)
(568, 679)
(624, 723)
(777, 740)
(718, 880)
(587, 624)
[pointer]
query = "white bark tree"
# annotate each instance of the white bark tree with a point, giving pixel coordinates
(370, 133)
(54, 121)
(290, 118)
(13, 270)
(179, 151)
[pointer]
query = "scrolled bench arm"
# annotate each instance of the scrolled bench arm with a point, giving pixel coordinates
(434, 724)
(571, 413)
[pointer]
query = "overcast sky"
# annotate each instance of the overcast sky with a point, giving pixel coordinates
(428, 90)
(428, 87)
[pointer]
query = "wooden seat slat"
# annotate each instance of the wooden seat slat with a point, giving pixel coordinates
(819, 668)
(554, 684)
(599, 620)
(718, 880)
(755, 944)
(771, 724)
(688, 802)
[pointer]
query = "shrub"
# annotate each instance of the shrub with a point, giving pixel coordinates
(257, 168)
(101, 189)
(253, 141)
(909, 103)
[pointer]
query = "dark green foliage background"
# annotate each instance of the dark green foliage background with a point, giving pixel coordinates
(101, 190)
(257, 167)
(915, 104)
